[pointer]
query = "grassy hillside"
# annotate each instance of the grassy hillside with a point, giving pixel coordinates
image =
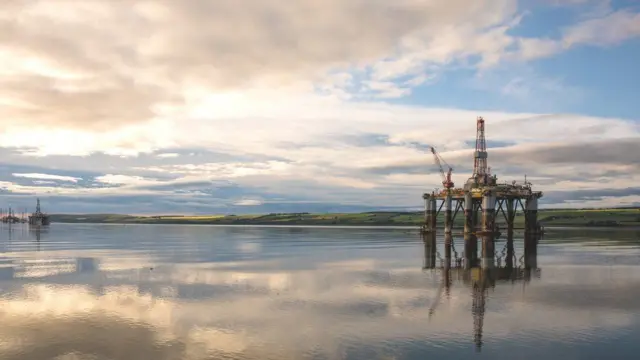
(582, 217)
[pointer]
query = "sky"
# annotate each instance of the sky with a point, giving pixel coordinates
(254, 106)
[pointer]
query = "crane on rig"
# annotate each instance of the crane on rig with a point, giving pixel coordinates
(446, 178)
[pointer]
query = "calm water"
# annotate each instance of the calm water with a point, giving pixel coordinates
(199, 292)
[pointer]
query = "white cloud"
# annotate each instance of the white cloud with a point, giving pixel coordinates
(48, 177)
(248, 202)
(532, 48)
(609, 29)
(168, 155)
(224, 170)
(605, 202)
(140, 80)
(328, 152)
(153, 58)
(42, 182)
(153, 54)
(124, 180)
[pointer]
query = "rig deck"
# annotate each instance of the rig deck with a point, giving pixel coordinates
(491, 203)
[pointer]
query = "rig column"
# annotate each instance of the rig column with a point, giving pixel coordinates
(510, 250)
(448, 213)
(475, 214)
(470, 250)
(530, 252)
(427, 212)
(488, 251)
(468, 213)
(531, 215)
(429, 250)
(489, 212)
(510, 214)
(448, 244)
(434, 213)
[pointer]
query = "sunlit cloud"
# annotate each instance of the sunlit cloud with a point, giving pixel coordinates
(48, 177)
(324, 107)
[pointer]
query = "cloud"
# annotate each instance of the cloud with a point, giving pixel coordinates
(280, 99)
(622, 151)
(124, 180)
(330, 165)
(145, 58)
(568, 2)
(152, 61)
(611, 29)
(168, 155)
(248, 202)
(616, 197)
(48, 177)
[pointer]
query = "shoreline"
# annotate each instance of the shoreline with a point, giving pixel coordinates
(587, 218)
(354, 226)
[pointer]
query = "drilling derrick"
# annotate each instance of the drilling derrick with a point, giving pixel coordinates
(480, 155)
(38, 218)
(481, 171)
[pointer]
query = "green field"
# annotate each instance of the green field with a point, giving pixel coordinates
(565, 217)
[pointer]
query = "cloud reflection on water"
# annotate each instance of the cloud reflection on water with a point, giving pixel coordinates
(135, 306)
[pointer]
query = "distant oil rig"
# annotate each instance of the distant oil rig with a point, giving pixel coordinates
(37, 218)
(481, 194)
(10, 217)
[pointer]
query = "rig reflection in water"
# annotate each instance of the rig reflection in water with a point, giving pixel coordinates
(480, 274)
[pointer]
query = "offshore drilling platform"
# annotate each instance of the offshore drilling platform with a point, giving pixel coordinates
(481, 194)
(38, 218)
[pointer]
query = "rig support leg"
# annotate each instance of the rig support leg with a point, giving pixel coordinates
(470, 250)
(530, 251)
(488, 251)
(510, 249)
(427, 212)
(448, 213)
(511, 209)
(434, 214)
(448, 244)
(429, 250)
(531, 215)
(475, 216)
(489, 212)
(468, 213)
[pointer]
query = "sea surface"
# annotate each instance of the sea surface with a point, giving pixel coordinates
(85, 291)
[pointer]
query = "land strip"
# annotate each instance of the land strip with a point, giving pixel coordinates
(566, 217)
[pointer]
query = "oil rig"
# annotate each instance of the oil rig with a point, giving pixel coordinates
(10, 217)
(481, 194)
(38, 218)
